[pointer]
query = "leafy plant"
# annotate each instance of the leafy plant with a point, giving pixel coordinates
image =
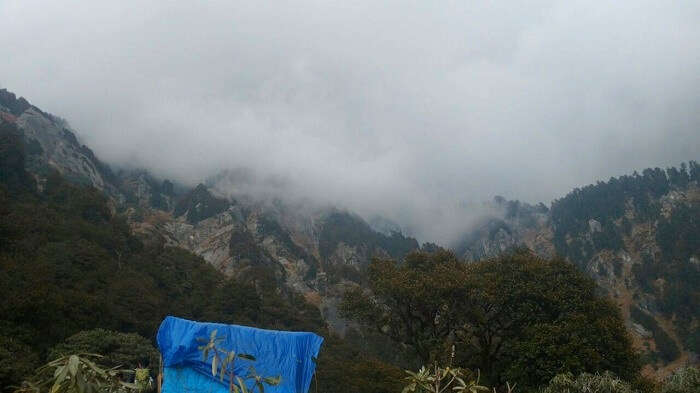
(143, 380)
(443, 379)
(77, 374)
(222, 364)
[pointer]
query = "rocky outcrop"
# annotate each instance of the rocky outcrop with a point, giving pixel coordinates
(512, 224)
(200, 204)
(50, 144)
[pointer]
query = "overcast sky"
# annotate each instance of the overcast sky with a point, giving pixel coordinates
(386, 106)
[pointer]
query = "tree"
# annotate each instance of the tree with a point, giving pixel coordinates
(518, 317)
(528, 318)
(415, 303)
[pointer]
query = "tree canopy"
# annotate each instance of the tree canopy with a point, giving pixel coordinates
(517, 317)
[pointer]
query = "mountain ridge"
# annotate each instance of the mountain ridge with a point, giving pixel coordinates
(319, 251)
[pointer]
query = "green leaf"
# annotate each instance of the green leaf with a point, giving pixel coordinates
(246, 356)
(213, 365)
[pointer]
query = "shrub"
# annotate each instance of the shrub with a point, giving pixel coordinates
(17, 360)
(78, 374)
(588, 383)
(684, 380)
(128, 350)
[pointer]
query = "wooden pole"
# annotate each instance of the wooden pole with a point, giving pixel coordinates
(160, 374)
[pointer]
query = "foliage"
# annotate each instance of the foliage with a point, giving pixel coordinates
(670, 275)
(12, 159)
(353, 231)
(443, 379)
(143, 380)
(530, 318)
(16, 360)
(684, 380)
(677, 237)
(606, 202)
(222, 362)
(518, 317)
(342, 367)
(64, 255)
(415, 303)
(77, 374)
(128, 350)
(587, 383)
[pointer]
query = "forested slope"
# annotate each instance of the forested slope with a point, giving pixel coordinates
(69, 264)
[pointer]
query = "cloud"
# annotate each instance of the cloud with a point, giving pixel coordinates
(400, 108)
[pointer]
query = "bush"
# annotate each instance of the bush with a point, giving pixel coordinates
(78, 374)
(17, 360)
(128, 350)
(588, 383)
(684, 380)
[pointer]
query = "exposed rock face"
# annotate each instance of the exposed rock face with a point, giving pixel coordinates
(641, 331)
(514, 225)
(50, 144)
(9, 103)
(200, 204)
(60, 150)
(143, 190)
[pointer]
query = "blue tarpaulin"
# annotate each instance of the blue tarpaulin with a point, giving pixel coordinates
(277, 353)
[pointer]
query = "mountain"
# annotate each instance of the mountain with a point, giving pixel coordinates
(70, 263)
(312, 250)
(637, 235)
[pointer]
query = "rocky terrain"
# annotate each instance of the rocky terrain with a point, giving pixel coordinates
(317, 251)
(644, 255)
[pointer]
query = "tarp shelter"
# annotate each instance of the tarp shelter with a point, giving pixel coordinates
(289, 355)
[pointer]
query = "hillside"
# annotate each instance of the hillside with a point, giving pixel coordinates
(69, 264)
(635, 235)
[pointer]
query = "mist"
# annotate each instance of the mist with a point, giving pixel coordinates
(399, 108)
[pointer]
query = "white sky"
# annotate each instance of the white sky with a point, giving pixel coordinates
(402, 108)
